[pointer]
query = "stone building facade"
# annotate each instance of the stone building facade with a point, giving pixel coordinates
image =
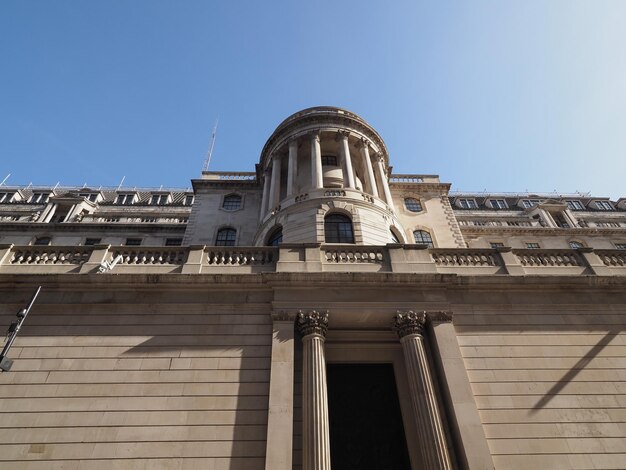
(320, 311)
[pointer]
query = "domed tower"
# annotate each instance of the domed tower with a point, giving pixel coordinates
(325, 180)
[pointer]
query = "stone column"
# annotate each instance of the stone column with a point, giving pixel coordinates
(266, 193)
(278, 450)
(317, 177)
(275, 188)
(315, 431)
(410, 328)
(369, 170)
(346, 159)
(472, 450)
(292, 170)
(384, 182)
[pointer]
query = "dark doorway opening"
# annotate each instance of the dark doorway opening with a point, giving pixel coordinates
(366, 430)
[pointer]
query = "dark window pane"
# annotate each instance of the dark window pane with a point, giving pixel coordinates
(413, 204)
(276, 238)
(226, 237)
(232, 202)
(329, 160)
(338, 229)
(422, 237)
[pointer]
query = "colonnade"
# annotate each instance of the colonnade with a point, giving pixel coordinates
(272, 174)
(410, 327)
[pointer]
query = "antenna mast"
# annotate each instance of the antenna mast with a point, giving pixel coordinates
(207, 162)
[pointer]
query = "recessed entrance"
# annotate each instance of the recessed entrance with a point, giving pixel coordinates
(366, 430)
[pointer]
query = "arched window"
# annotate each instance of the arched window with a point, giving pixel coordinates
(276, 238)
(232, 202)
(422, 237)
(413, 204)
(574, 245)
(338, 229)
(226, 237)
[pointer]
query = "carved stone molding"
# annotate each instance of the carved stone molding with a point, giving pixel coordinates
(439, 317)
(409, 323)
(312, 322)
(284, 316)
(314, 135)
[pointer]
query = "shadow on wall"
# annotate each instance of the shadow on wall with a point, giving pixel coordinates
(99, 377)
(575, 370)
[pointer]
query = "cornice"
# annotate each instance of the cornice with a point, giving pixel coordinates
(550, 231)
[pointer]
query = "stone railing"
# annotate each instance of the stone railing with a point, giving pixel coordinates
(392, 258)
(229, 175)
(406, 179)
(241, 256)
(549, 257)
(612, 257)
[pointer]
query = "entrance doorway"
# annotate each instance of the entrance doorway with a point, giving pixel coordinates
(366, 430)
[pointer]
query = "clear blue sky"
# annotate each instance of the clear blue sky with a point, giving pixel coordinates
(496, 95)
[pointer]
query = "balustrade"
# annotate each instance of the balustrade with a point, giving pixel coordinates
(612, 257)
(241, 256)
(354, 254)
(549, 257)
(49, 255)
(150, 256)
(463, 257)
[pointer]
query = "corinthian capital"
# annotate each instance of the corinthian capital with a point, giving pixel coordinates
(312, 322)
(409, 323)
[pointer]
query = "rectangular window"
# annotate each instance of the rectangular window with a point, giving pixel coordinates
(528, 203)
(173, 241)
(532, 246)
(39, 198)
(604, 205)
(133, 242)
(496, 244)
(468, 204)
(159, 199)
(498, 203)
(125, 199)
(575, 205)
(92, 241)
(91, 197)
(188, 199)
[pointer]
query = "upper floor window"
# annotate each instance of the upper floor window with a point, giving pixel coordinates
(133, 242)
(39, 198)
(413, 204)
(6, 197)
(173, 241)
(496, 244)
(329, 160)
(532, 246)
(575, 205)
(226, 237)
(188, 200)
(231, 202)
(42, 241)
(91, 197)
(620, 246)
(159, 199)
(498, 203)
(575, 245)
(276, 238)
(467, 204)
(422, 237)
(92, 241)
(125, 199)
(528, 203)
(338, 229)
(604, 205)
